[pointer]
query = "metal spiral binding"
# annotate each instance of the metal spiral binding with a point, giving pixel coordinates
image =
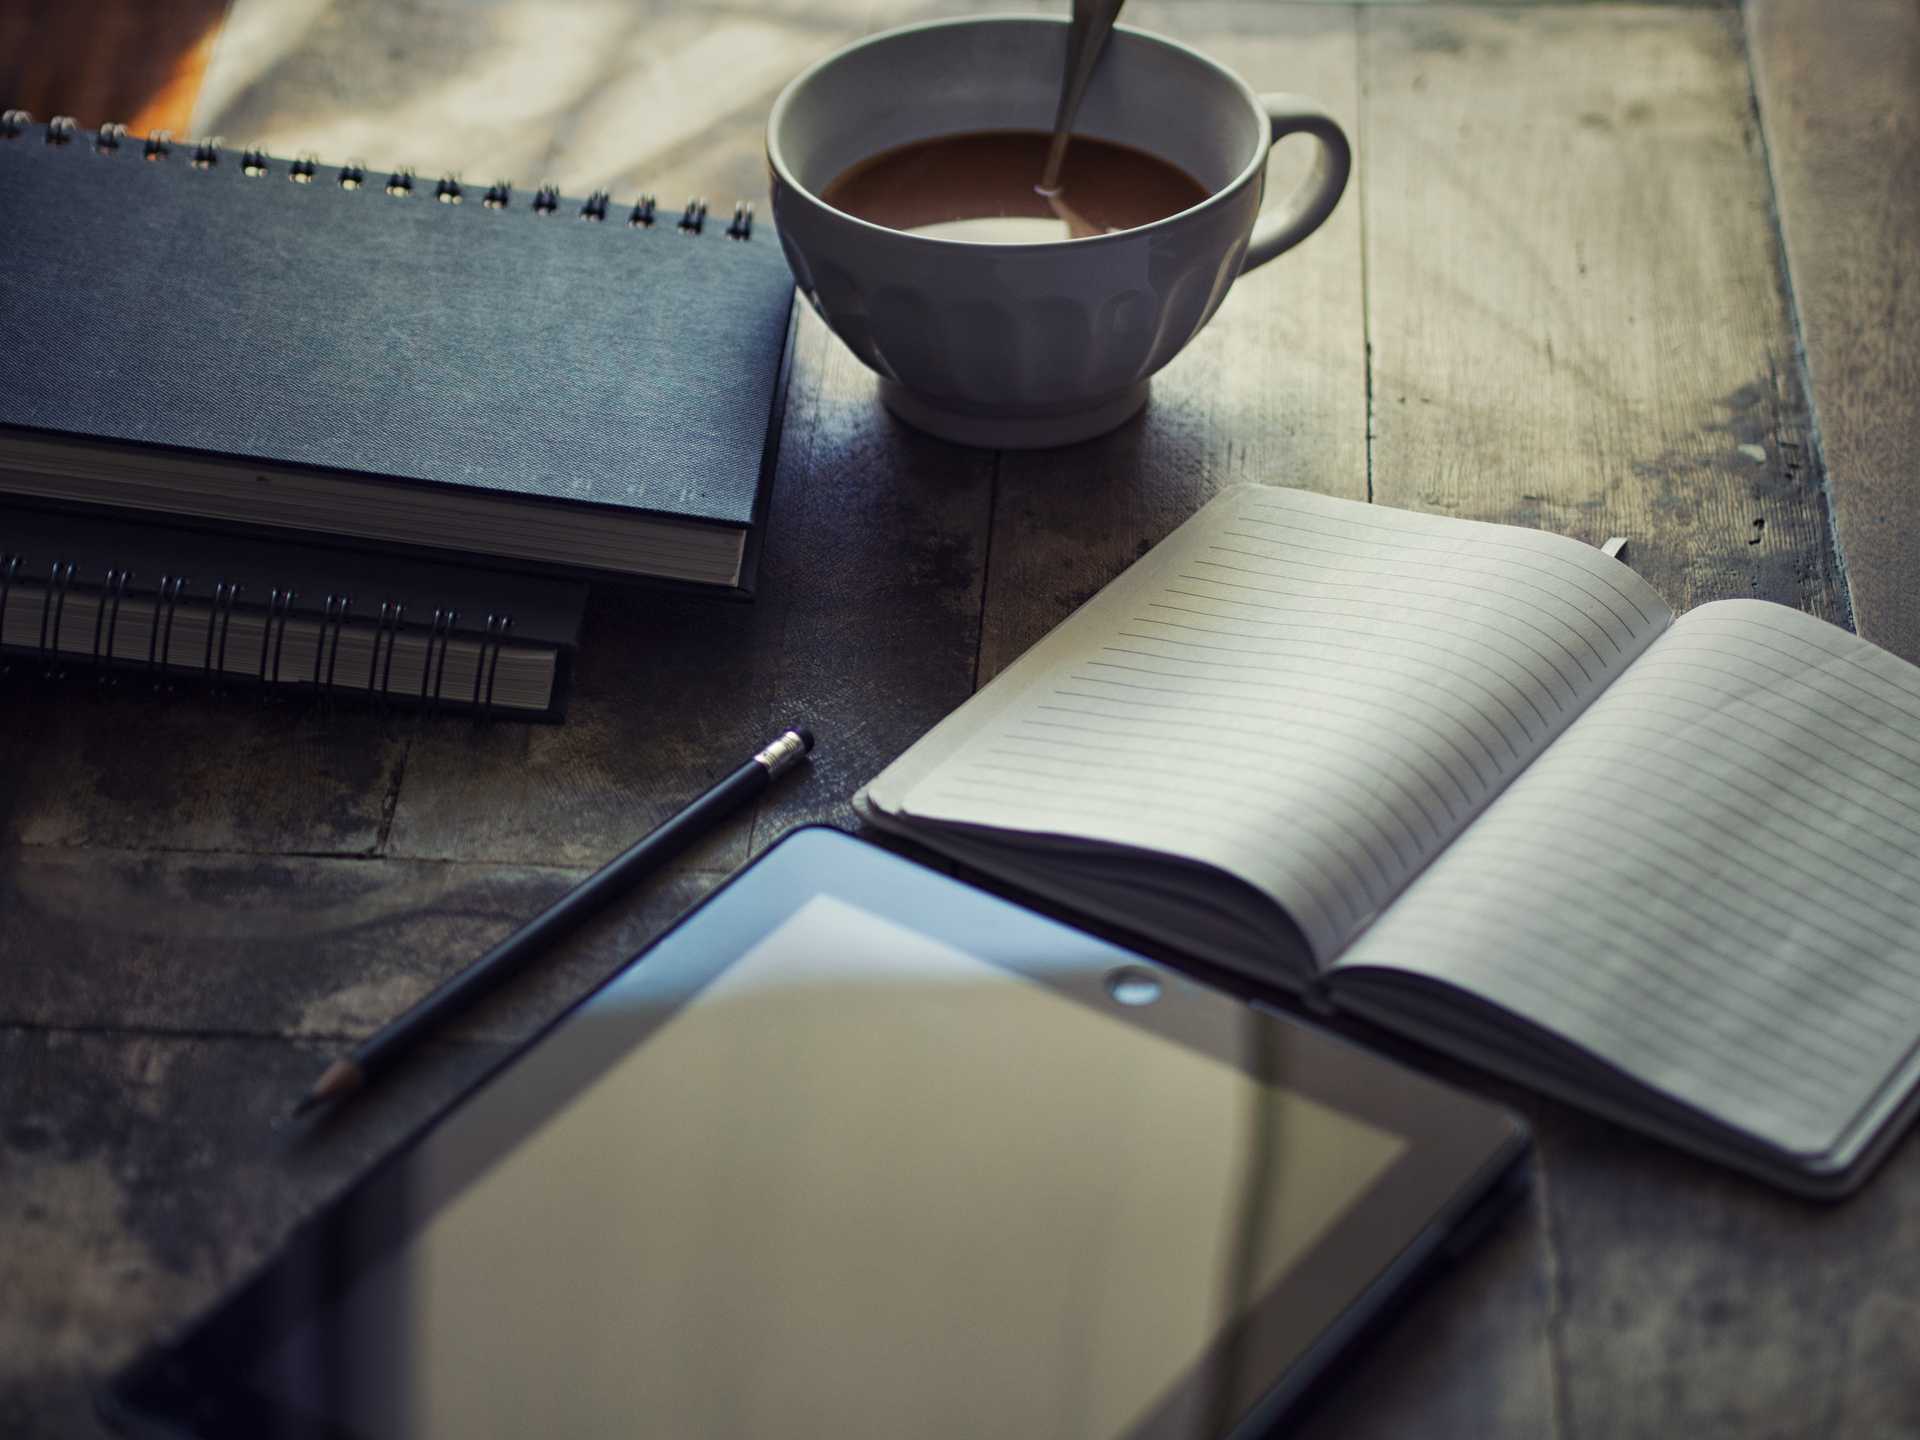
(393, 634)
(153, 625)
(256, 163)
(166, 601)
(110, 601)
(338, 608)
(9, 572)
(106, 616)
(442, 631)
(279, 607)
(103, 660)
(223, 597)
(54, 604)
(373, 660)
(497, 627)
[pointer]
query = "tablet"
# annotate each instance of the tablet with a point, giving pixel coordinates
(856, 1149)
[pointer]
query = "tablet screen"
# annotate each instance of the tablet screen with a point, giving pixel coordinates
(863, 1183)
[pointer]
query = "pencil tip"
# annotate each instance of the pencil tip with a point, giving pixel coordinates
(337, 1079)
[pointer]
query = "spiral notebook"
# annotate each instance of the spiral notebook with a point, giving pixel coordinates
(112, 603)
(280, 346)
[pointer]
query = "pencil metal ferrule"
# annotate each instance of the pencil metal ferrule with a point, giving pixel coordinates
(782, 755)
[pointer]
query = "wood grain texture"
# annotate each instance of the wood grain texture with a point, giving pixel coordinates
(141, 1175)
(1273, 390)
(123, 60)
(1840, 105)
(314, 950)
(671, 99)
(190, 771)
(1575, 297)
(1697, 1303)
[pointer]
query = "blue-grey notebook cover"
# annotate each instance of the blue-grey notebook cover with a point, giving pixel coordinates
(399, 338)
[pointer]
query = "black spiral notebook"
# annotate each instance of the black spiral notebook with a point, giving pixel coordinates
(100, 601)
(276, 346)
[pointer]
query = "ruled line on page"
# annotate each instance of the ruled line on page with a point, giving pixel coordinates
(1319, 647)
(1723, 925)
(1403, 719)
(1734, 826)
(1662, 997)
(1330, 679)
(1549, 550)
(1348, 676)
(1866, 875)
(1458, 621)
(1651, 1042)
(1164, 762)
(1276, 569)
(1618, 625)
(1151, 749)
(1427, 769)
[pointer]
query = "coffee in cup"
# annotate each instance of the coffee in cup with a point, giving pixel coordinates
(1030, 342)
(984, 186)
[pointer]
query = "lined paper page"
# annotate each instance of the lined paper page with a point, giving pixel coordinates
(1312, 694)
(1711, 880)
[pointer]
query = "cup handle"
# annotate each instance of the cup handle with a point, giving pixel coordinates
(1318, 193)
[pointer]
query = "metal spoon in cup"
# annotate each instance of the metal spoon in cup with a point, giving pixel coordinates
(1086, 40)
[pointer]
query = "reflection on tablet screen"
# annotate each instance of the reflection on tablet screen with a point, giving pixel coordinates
(866, 1184)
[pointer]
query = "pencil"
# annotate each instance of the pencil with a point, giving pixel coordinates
(353, 1070)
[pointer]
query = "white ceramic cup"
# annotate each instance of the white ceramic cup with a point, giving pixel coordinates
(1039, 344)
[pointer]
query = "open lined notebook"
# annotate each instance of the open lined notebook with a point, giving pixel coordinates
(1479, 785)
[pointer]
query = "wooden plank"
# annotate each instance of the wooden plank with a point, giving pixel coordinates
(671, 99)
(1696, 1302)
(125, 60)
(319, 950)
(1575, 297)
(194, 772)
(1840, 105)
(1273, 390)
(140, 1176)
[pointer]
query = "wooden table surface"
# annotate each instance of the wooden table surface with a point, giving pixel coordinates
(1647, 270)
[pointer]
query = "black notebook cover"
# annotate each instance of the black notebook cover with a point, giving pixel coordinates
(242, 306)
